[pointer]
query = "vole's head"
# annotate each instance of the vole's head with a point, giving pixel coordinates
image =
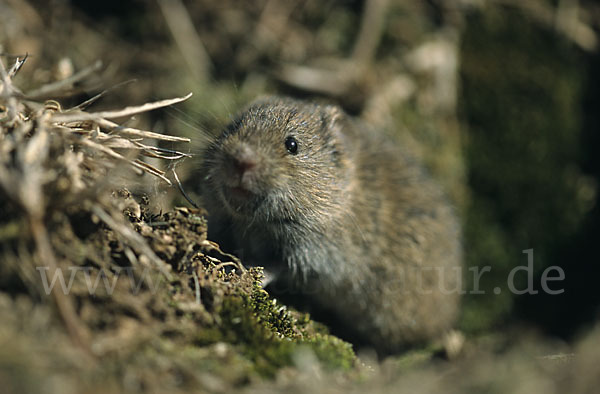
(280, 160)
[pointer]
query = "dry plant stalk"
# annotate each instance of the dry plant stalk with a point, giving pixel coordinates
(89, 145)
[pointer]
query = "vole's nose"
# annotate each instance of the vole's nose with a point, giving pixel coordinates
(243, 165)
(244, 160)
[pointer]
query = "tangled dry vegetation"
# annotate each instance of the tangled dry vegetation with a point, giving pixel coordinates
(100, 291)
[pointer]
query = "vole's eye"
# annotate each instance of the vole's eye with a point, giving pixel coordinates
(291, 145)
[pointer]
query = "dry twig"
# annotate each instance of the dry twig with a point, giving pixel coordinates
(190, 45)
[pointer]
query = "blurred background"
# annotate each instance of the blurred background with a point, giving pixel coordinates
(499, 97)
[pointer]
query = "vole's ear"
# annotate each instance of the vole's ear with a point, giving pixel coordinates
(337, 124)
(333, 115)
(335, 120)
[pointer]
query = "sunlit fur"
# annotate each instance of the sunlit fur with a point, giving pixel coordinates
(350, 219)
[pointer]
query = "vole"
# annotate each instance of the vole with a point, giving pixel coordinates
(341, 215)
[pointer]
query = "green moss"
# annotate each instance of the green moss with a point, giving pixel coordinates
(521, 88)
(269, 335)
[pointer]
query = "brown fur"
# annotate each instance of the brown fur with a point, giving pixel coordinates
(350, 221)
